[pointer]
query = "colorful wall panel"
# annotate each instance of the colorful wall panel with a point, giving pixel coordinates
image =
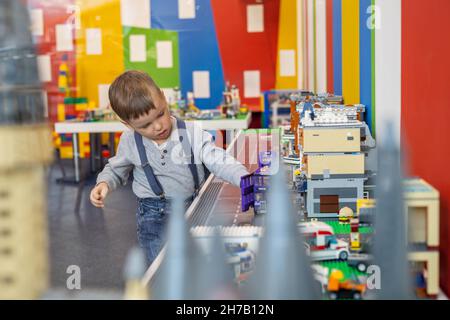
(249, 43)
(367, 58)
(287, 77)
(329, 37)
(311, 44)
(388, 41)
(337, 46)
(425, 80)
(47, 16)
(321, 46)
(350, 51)
(200, 62)
(100, 57)
(155, 52)
(338, 41)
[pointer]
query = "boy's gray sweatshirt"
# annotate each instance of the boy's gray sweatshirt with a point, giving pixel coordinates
(170, 164)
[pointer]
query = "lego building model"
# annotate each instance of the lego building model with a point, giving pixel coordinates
(325, 150)
(231, 102)
(422, 214)
(27, 144)
(327, 143)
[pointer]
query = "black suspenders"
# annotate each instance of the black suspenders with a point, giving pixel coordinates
(148, 170)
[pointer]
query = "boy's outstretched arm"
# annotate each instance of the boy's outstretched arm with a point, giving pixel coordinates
(219, 162)
(115, 173)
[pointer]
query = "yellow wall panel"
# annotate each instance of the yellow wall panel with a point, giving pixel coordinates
(287, 40)
(350, 51)
(93, 70)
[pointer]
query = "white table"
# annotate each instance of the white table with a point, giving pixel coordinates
(117, 126)
(73, 127)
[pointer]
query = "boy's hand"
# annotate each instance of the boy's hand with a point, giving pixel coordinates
(98, 194)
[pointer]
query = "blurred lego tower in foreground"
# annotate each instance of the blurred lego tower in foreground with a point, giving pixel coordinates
(25, 148)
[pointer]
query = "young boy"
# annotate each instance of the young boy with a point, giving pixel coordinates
(167, 156)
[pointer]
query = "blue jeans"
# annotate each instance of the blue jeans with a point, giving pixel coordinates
(152, 217)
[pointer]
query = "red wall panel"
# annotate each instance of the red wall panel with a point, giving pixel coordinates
(55, 12)
(241, 50)
(426, 104)
(330, 67)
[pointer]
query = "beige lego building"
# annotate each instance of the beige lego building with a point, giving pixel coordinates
(422, 207)
(26, 150)
(335, 164)
(331, 139)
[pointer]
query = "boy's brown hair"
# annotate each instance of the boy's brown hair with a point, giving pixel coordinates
(132, 94)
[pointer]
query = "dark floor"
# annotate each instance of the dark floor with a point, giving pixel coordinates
(96, 240)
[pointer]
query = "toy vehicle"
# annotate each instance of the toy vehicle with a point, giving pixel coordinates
(338, 289)
(321, 242)
(241, 258)
(360, 261)
(320, 274)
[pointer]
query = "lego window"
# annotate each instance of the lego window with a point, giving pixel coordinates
(417, 224)
(329, 204)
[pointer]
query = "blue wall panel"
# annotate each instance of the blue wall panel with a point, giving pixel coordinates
(337, 46)
(198, 45)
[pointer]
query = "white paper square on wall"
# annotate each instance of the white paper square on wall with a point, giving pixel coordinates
(255, 18)
(37, 22)
(138, 48)
(201, 84)
(135, 13)
(103, 95)
(252, 84)
(287, 63)
(44, 68)
(186, 9)
(164, 54)
(169, 94)
(64, 37)
(93, 41)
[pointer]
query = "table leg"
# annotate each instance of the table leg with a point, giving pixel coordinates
(92, 137)
(76, 156)
(231, 134)
(98, 150)
(112, 143)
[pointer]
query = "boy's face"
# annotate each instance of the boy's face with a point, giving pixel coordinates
(156, 124)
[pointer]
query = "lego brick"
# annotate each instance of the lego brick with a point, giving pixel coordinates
(66, 138)
(84, 145)
(74, 101)
(345, 228)
(81, 107)
(431, 260)
(335, 164)
(66, 152)
(331, 140)
(61, 112)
